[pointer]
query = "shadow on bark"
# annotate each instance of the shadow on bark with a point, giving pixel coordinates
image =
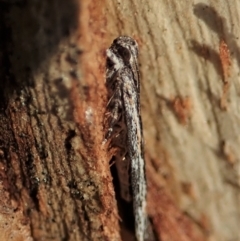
(30, 33)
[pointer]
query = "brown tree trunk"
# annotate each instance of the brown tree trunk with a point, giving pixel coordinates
(55, 177)
(54, 168)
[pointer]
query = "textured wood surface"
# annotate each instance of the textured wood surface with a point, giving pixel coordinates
(189, 57)
(55, 177)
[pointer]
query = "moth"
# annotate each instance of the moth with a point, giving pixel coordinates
(125, 126)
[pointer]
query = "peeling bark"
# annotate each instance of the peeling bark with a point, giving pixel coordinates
(54, 169)
(55, 177)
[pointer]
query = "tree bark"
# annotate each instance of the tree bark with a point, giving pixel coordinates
(189, 57)
(55, 177)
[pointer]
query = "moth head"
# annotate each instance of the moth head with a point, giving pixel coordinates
(125, 47)
(122, 53)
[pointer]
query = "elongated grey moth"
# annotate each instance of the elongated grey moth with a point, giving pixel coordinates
(125, 126)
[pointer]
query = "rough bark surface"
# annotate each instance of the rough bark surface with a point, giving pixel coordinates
(55, 181)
